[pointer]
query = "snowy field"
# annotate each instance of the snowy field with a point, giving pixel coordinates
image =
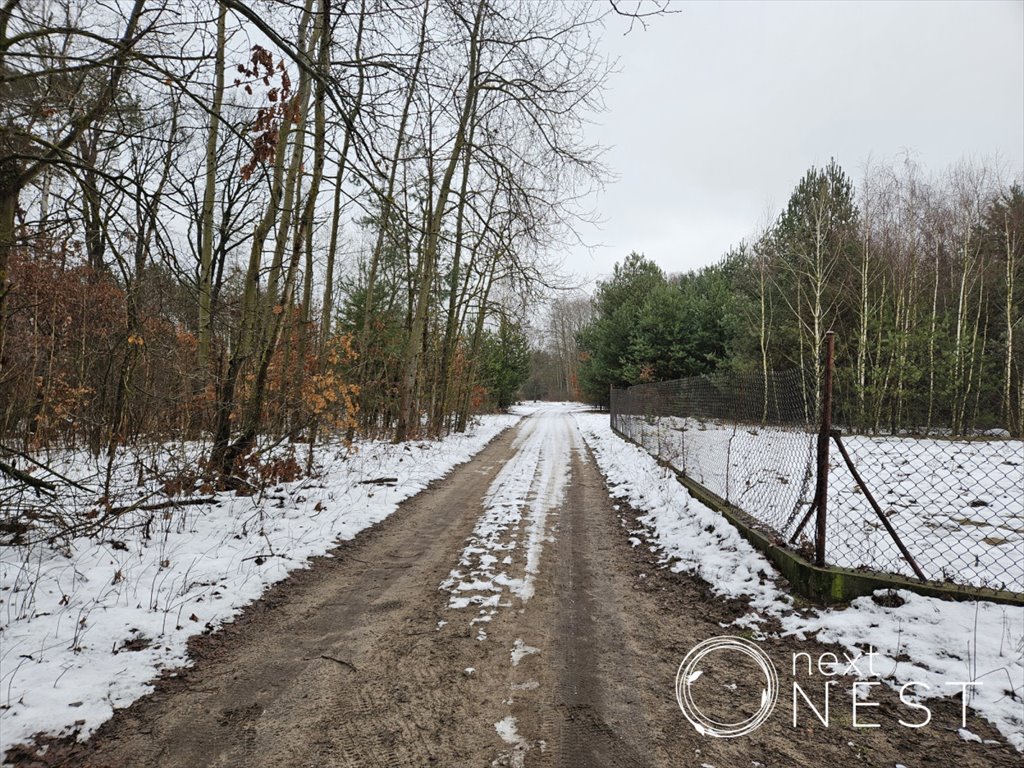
(958, 505)
(923, 640)
(85, 625)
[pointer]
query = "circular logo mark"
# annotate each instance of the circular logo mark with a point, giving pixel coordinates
(689, 672)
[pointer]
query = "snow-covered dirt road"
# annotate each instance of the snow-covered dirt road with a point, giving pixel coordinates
(507, 616)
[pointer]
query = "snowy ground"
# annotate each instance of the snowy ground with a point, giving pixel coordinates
(924, 640)
(87, 624)
(958, 505)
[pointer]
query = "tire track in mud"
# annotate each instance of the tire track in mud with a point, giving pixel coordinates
(595, 728)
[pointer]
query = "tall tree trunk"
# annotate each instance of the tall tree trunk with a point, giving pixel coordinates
(304, 230)
(259, 328)
(1012, 417)
(959, 403)
(327, 305)
(933, 322)
(387, 201)
(474, 349)
(147, 214)
(764, 327)
(451, 326)
(862, 331)
(8, 209)
(92, 209)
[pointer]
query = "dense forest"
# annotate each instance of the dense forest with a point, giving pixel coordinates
(245, 219)
(921, 279)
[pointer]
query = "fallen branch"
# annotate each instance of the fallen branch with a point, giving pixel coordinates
(379, 481)
(162, 505)
(42, 466)
(26, 478)
(260, 558)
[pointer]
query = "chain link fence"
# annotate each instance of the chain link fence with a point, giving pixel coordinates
(938, 508)
(957, 505)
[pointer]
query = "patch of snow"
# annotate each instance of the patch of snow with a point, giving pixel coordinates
(506, 728)
(521, 650)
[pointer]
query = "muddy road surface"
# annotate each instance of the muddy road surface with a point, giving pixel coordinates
(500, 618)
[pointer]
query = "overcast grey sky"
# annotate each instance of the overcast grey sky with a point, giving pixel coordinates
(719, 109)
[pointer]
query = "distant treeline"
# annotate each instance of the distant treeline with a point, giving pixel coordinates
(920, 278)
